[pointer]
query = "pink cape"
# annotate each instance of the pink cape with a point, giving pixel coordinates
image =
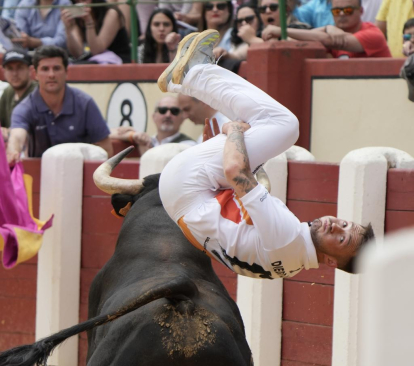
(20, 233)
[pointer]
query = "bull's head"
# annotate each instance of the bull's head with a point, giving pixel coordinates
(106, 183)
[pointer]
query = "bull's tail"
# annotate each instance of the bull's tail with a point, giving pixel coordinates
(38, 352)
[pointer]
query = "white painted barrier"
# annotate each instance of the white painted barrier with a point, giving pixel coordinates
(58, 269)
(361, 198)
(260, 301)
(387, 302)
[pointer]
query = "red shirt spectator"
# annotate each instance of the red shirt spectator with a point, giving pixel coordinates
(371, 39)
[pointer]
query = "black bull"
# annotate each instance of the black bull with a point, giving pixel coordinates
(172, 308)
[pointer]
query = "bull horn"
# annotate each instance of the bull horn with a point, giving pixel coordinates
(112, 185)
(263, 178)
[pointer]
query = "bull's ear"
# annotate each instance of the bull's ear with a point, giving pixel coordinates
(121, 203)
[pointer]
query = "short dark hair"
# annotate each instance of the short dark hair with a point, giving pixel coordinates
(43, 52)
(367, 235)
(408, 24)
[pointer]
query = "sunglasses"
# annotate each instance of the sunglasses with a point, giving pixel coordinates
(174, 110)
(408, 36)
(219, 6)
(348, 10)
(272, 7)
(248, 20)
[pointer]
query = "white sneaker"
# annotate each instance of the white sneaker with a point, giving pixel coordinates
(199, 52)
(165, 77)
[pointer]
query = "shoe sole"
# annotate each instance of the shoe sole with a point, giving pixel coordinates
(163, 79)
(179, 69)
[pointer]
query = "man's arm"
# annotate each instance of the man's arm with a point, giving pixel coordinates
(331, 37)
(17, 139)
(236, 164)
(106, 144)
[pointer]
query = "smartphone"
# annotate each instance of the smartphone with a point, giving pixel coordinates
(77, 11)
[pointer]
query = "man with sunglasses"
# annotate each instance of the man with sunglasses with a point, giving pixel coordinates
(210, 190)
(168, 118)
(349, 38)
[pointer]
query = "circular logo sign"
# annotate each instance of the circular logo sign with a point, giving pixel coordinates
(127, 107)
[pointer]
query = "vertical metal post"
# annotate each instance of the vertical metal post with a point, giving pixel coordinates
(134, 31)
(282, 16)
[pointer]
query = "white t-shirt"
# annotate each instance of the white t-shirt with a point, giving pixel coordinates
(255, 236)
(168, 139)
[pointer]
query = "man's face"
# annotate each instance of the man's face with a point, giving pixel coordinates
(17, 74)
(51, 74)
(337, 238)
(168, 122)
(347, 21)
(191, 109)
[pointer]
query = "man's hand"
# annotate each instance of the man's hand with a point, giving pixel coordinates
(13, 157)
(408, 48)
(271, 31)
(208, 133)
(142, 139)
(5, 133)
(337, 36)
(24, 40)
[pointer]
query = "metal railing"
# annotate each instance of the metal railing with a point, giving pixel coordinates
(133, 13)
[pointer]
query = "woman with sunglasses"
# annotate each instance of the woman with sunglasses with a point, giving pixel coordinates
(247, 29)
(161, 38)
(218, 15)
(269, 13)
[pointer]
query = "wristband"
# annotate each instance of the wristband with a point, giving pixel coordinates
(131, 137)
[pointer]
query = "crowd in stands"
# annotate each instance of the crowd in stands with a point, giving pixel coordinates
(102, 34)
(82, 33)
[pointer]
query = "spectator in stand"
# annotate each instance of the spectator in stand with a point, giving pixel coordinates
(408, 37)
(54, 113)
(16, 67)
(102, 29)
(197, 112)
(391, 18)
(40, 26)
(247, 30)
(218, 15)
(316, 13)
(349, 38)
(407, 71)
(269, 12)
(161, 38)
(8, 13)
(168, 118)
(371, 8)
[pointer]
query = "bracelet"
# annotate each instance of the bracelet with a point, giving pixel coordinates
(131, 137)
(174, 50)
(90, 25)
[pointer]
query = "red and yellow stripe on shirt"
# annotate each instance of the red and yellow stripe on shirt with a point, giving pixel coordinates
(231, 209)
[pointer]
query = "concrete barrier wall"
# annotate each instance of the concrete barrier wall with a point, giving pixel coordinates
(307, 297)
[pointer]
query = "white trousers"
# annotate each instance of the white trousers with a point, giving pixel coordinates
(194, 176)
